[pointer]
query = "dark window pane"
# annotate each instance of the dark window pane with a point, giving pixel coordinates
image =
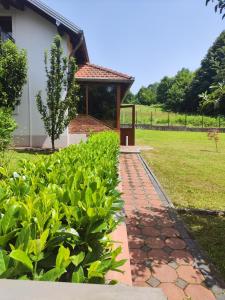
(81, 107)
(102, 103)
(6, 28)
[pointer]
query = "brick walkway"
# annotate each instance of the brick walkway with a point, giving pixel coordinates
(159, 256)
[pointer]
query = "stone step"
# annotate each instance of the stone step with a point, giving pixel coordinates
(31, 290)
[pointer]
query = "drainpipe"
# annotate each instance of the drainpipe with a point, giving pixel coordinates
(29, 108)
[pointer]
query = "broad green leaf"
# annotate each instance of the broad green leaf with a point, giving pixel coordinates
(8, 220)
(22, 257)
(63, 257)
(53, 274)
(4, 261)
(3, 171)
(43, 238)
(78, 276)
(94, 270)
(4, 239)
(23, 238)
(77, 259)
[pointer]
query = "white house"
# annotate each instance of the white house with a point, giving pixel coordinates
(33, 25)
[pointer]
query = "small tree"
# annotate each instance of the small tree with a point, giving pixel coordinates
(61, 101)
(13, 73)
(213, 135)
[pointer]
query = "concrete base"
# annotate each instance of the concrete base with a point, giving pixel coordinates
(31, 290)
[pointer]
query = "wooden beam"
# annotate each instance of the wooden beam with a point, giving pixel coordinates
(118, 102)
(19, 4)
(86, 99)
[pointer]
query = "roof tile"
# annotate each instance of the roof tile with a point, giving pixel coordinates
(90, 71)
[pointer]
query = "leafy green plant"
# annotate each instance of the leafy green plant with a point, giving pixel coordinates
(60, 105)
(57, 214)
(7, 126)
(214, 135)
(13, 74)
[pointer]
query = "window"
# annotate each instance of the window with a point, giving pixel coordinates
(81, 107)
(6, 28)
(102, 103)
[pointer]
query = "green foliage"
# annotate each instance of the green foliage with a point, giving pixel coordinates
(219, 6)
(56, 215)
(215, 100)
(61, 101)
(7, 126)
(163, 88)
(211, 72)
(177, 91)
(13, 73)
(130, 98)
(147, 95)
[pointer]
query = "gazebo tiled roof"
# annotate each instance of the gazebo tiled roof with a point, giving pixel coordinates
(93, 72)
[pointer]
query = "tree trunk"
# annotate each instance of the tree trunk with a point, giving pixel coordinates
(53, 143)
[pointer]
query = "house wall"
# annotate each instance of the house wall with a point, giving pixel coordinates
(35, 34)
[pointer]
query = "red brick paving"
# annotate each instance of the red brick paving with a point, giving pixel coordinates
(159, 257)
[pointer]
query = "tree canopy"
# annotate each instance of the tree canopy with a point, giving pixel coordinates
(211, 72)
(13, 73)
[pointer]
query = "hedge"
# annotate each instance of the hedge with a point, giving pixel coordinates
(56, 215)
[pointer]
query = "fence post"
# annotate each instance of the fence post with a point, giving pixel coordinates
(136, 117)
(168, 119)
(219, 122)
(202, 121)
(185, 120)
(151, 118)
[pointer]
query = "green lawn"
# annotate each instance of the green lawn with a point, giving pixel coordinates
(188, 167)
(11, 159)
(192, 173)
(209, 231)
(145, 113)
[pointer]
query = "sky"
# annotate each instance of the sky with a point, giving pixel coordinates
(147, 39)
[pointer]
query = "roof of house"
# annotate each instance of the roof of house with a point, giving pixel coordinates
(53, 17)
(90, 72)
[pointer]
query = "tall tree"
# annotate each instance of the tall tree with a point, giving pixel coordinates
(13, 74)
(211, 72)
(146, 95)
(176, 93)
(130, 98)
(219, 6)
(61, 101)
(163, 88)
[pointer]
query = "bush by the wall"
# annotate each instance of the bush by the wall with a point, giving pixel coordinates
(7, 126)
(56, 215)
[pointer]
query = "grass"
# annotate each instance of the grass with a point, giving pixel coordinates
(144, 114)
(209, 231)
(11, 159)
(188, 167)
(192, 173)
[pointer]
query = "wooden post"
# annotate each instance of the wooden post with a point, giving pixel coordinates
(118, 101)
(86, 99)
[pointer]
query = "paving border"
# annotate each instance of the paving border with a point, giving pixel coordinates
(213, 280)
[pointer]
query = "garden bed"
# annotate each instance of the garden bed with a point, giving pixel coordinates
(57, 214)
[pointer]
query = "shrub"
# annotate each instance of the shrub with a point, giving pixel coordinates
(7, 126)
(13, 74)
(57, 214)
